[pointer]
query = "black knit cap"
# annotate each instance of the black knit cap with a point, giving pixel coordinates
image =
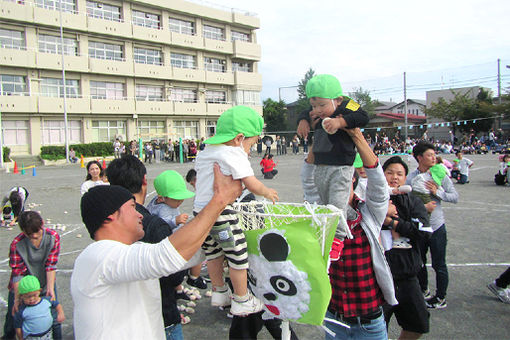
(100, 202)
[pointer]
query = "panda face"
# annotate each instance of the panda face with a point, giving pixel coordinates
(282, 287)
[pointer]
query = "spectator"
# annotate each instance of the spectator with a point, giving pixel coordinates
(268, 144)
(14, 201)
(95, 174)
(72, 156)
(463, 165)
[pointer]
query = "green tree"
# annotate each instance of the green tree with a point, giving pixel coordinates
(302, 102)
(363, 98)
(274, 115)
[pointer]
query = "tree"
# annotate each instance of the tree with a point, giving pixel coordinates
(302, 84)
(274, 115)
(363, 98)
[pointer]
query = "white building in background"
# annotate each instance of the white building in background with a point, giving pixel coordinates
(134, 69)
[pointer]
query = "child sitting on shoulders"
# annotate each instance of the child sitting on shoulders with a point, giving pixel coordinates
(237, 130)
(33, 319)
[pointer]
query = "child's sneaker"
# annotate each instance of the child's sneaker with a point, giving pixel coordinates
(198, 282)
(250, 306)
(401, 243)
(436, 303)
(181, 295)
(426, 294)
(501, 293)
(221, 299)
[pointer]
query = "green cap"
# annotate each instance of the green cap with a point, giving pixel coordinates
(28, 284)
(324, 86)
(236, 120)
(171, 184)
(358, 163)
(438, 172)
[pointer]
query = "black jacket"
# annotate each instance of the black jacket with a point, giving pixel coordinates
(156, 229)
(338, 148)
(405, 263)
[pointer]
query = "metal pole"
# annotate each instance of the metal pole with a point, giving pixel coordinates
(1, 143)
(499, 92)
(64, 82)
(405, 107)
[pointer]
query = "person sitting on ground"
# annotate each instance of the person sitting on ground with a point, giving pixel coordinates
(503, 175)
(72, 156)
(14, 200)
(269, 170)
(463, 165)
(34, 318)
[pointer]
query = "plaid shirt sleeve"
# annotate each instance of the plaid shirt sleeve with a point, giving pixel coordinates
(18, 266)
(51, 261)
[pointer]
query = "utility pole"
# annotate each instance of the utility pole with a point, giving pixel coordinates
(405, 107)
(64, 82)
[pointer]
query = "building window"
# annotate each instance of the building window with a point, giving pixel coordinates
(13, 85)
(67, 5)
(52, 87)
(216, 97)
(240, 36)
(148, 56)
(241, 67)
(182, 26)
(182, 60)
(103, 11)
(106, 90)
(12, 39)
(210, 128)
(15, 132)
(53, 132)
(149, 129)
(247, 97)
(183, 95)
(211, 32)
(150, 93)
(108, 130)
(146, 19)
(106, 51)
(215, 65)
(51, 44)
(187, 129)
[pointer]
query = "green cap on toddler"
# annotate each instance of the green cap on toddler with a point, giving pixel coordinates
(171, 184)
(28, 284)
(438, 172)
(324, 86)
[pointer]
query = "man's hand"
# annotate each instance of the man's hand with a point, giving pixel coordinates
(15, 306)
(431, 186)
(431, 206)
(303, 128)
(182, 218)
(392, 212)
(225, 188)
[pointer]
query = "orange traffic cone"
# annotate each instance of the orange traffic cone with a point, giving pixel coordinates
(82, 162)
(104, 164)
(15, 171)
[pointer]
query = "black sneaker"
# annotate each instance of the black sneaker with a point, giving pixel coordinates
(199, 282)
(181, 296)
(436, 303)
(426, 294)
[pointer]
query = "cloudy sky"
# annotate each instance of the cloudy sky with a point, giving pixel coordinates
(370, 43)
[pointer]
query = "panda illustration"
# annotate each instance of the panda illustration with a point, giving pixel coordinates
(276, 281)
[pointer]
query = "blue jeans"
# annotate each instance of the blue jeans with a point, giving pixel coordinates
(375, 330)
(437, 244)
(174, 332)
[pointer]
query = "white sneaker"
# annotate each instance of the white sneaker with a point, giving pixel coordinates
(221, 299)
(501, 293)
(401, 243)
(250, 306)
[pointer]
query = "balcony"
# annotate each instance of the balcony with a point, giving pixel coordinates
(188, 74)
(115, 67)
(154, 108)
(151, 34)
(185, 40)
(248, 80)
(14, 103)
(225, 78)
(246, 50)
(108, 27)
(51, 17)
(218, 46)
(245, 20)
(152, 71)
(14, 11)
(56, 105)
(54, 62)
(17, 57)
(197, 109)
(217, 109)
(111, 106)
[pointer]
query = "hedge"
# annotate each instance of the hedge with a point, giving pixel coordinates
(87, 150)
(7, 153)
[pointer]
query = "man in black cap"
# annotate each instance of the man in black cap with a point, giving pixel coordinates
(114, 284)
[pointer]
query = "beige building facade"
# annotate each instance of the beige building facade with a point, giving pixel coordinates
(134, 69)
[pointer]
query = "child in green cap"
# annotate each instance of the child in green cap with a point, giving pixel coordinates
(33, 318)
(333, 148)
(237, 130)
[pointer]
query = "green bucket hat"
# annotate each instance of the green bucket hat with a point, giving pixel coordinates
(28, 284)
(324, 86)
(438, 172)
(358, 163)
(236, 120)
(171, 184)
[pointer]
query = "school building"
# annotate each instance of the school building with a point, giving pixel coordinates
(133, 69)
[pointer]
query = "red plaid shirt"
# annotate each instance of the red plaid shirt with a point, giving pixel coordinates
(352, 277)
(17, 264)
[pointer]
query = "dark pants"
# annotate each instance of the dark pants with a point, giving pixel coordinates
(247, 327)
(463, 179)
(437, 246)
(504, 279)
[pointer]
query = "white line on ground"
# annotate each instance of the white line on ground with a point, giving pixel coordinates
(483, 167)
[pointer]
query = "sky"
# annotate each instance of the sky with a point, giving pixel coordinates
(371, 43)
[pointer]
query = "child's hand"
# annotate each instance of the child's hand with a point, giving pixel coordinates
(430, 206)
(181, 219)
(272, 195)
(431, 186)
(61, 317)
(332, 125)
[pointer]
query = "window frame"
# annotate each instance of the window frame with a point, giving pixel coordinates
(179, 26)
(22, 82)
(106, 48)
(104, 11)
(8, 40)
(55, 46)
(52, 84)
(138, 57)
(213, 32)
(181, 60)
(147, 20)
(153, 93)
(215, 64)
(107, 87)
(216, 97)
